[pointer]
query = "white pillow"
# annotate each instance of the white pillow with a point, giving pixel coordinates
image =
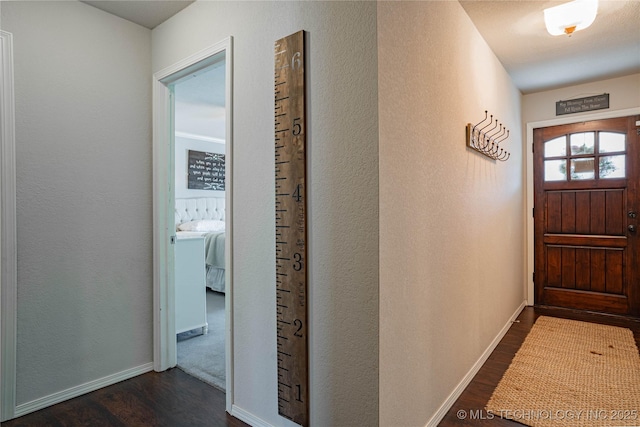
(202, 225)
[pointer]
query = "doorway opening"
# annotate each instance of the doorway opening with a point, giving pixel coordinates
(585, 197)
(193, 148)
(200, 160)
(583, 185)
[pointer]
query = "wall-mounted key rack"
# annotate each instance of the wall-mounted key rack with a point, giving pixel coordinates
(486, 136)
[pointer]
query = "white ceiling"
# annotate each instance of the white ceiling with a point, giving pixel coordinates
(200, 104)
(514, 29)
(148, 13)
(537, 61)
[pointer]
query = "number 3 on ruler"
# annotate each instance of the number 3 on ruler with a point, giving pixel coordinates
(297, 261)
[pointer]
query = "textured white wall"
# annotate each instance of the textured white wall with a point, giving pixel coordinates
(451, 220)
(343, 205)
(624, 92)
(83, 154)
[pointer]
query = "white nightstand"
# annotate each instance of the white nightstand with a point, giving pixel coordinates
(190, 286)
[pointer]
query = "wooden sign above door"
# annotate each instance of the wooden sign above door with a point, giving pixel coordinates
(580, 105)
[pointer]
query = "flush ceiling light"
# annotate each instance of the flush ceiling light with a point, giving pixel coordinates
(569, 17)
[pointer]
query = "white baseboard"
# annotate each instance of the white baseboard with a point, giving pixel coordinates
(81, 389)
(248, 418)
(448, 403)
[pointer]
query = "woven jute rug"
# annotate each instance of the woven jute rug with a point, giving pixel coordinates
(571, 373)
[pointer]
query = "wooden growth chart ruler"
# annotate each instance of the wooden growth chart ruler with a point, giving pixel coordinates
(291, 229)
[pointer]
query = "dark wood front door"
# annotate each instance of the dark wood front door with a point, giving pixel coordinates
(586, 216)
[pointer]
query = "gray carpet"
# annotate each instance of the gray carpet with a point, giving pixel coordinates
(203, 356)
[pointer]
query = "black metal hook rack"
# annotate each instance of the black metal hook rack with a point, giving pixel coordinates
(487, 139)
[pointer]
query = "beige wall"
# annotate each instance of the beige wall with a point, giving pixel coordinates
(342, 172)
(416, 241)
(83, 166)
(624, 92)
(451, 234)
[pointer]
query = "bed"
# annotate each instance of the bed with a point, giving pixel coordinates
(205, 217)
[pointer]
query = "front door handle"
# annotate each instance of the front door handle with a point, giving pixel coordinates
(632, 214)
(632, 228)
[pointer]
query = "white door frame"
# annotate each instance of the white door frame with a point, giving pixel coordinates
(164, 331)
(529, 166)
(8, 266)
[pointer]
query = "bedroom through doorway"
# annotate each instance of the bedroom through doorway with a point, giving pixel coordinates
(182, 301)
(199, 154)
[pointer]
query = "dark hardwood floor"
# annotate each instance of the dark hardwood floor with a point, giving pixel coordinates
(175, 399)
(171, 398)
(468, 410)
